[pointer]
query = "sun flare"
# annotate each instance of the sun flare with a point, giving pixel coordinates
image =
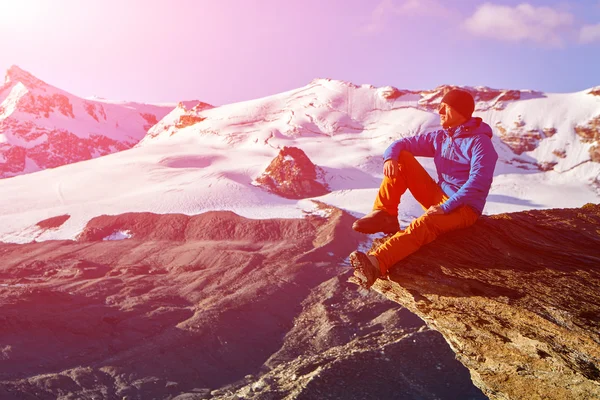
(12, 8)
(15, 12)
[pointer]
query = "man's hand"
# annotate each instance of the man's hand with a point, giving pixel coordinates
(390, 168)
(434, 210)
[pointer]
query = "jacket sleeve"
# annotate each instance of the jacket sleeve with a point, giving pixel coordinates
(483, 163)
(421, 145)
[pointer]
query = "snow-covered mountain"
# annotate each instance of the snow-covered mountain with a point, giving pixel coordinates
(204, 158)
(534, 129)
(42, 126)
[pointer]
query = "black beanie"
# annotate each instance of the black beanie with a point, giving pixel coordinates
(461, 101)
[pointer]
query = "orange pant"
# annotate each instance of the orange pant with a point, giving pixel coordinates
(424, 229)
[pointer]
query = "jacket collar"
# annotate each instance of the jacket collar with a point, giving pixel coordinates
(473, 126)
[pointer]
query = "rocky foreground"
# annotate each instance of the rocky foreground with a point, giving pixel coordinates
(213, 306)
(216, 306)
(517, 297)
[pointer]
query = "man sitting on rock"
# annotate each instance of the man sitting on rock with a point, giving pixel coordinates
(465, 160)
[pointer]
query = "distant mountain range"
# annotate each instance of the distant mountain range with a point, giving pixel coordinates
(42, 126)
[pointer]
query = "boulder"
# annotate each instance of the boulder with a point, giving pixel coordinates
(292, 175)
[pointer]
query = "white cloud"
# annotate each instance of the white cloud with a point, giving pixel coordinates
(388, 9)
(589, 33)
(542, 25)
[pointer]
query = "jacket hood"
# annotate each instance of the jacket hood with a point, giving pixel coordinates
(474, 126)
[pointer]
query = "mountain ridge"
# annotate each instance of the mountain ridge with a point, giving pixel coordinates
(221, 300)
(42, 126)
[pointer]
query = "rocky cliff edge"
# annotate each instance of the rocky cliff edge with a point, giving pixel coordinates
(517, 297)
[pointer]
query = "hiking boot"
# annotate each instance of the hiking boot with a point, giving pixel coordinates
(366, 272)
(377, 221)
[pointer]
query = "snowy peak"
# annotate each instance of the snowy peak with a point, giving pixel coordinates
(24, 93)
(532, 130)
(328, 107)
(42, 126)
(179, 117)
(15, 75)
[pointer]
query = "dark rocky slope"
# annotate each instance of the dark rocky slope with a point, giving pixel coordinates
(517, 297)
(209, 306)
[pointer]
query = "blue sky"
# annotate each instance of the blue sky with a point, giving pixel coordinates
(222, 51)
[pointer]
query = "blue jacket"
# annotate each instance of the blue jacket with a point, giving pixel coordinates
(464, 158)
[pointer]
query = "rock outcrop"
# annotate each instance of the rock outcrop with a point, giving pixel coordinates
(595, 91)
(292, 175)
(392, 93)
(590, 133)
(595, 153)
(54, 222)
(519, 140)
(180, 117)
(517, 297)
